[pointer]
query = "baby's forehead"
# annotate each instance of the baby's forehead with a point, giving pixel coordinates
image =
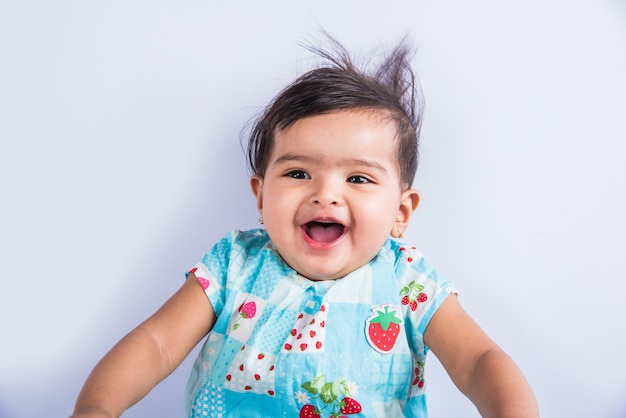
(343, 138)
(343, 125)
(346, 121)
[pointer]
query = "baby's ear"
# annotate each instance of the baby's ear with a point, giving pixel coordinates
(256, 183)
(408, 203)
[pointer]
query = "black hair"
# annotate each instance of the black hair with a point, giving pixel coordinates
(339, 84)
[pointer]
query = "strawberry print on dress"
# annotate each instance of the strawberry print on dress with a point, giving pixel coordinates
(203, 282)
(412, 295)
(328, 399)
(308, 333)
(252, 371)
(246, 313)
(410, 254)
(418, 372)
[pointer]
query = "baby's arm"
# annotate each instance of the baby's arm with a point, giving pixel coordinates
(147, 354)
(478, 367)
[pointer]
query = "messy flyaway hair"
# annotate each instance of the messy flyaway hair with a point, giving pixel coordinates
(391, 88)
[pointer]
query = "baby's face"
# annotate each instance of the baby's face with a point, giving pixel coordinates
(331, 193)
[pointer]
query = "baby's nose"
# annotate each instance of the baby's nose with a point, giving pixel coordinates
(326, 193)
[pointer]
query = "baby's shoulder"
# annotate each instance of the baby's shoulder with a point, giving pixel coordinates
(411, 266)
(403, 255)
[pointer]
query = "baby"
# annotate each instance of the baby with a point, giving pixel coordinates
(323, 312)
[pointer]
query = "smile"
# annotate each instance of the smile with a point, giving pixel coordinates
(324, 232)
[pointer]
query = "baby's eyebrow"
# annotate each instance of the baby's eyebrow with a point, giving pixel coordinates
(368, 163)
(290, 157)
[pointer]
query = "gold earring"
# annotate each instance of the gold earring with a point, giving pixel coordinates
(261, 220)
(401, 235)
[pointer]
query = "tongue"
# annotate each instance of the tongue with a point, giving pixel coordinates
(324, 232)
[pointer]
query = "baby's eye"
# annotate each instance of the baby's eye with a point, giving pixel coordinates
(298, 175)
(358, 180)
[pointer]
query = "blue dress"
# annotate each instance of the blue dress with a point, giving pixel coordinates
(287, 346)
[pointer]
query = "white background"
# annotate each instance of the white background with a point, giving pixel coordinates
(120, 165)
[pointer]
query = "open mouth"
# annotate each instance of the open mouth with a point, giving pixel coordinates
(324, 232)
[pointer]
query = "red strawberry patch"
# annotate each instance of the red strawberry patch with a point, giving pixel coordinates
(384, 328)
